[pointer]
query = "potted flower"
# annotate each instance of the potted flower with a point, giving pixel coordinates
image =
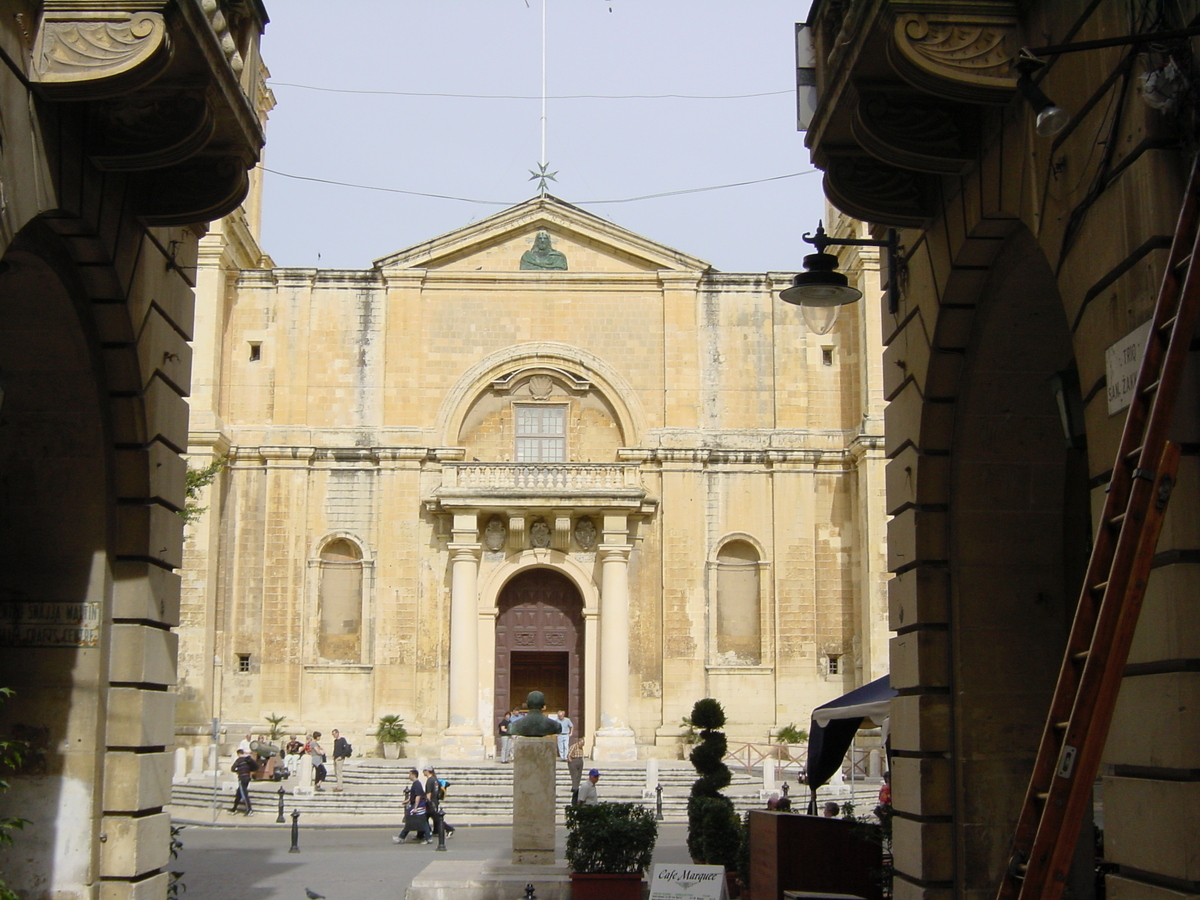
(392, 735)
(714, 829)
(609, 846)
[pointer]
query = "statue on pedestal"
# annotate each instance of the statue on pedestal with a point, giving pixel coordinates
(535, 723)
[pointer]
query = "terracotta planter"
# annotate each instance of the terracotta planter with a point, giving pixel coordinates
(391, 751)
(606, 887)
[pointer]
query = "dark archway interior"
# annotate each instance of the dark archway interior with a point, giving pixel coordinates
(1018, 543)
(55, 579)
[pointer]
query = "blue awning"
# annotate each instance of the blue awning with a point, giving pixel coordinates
(833, 726)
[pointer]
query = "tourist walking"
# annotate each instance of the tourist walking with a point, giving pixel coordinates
(415, 811)
(244, 767)
(434, 794)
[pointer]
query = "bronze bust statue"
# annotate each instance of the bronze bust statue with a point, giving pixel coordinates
(543, 256)
(535, 723)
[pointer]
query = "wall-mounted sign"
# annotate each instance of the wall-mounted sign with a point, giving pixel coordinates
(687, 882)
(49, 623)
(1121, 363)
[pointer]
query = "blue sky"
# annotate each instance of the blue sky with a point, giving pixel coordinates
(483, 149)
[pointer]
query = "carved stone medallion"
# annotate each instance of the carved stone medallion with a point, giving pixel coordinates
(539, 534)
(494, 534)
(585, 533)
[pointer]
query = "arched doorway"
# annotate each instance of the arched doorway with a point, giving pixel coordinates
(539, 643)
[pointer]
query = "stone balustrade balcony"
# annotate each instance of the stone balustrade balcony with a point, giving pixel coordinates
(541, 484)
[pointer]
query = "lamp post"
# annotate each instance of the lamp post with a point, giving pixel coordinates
(821, 290)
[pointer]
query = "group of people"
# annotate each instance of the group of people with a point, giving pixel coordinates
(248, 763)
(422, 807)
(504, 733)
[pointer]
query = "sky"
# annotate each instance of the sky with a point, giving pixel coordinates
(483, 149)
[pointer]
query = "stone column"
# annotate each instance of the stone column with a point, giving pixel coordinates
(614, 739)
(463, 739)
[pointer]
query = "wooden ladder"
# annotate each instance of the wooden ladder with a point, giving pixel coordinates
(1081, 711)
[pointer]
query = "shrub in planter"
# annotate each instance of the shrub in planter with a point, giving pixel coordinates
(610, 838)
(714, 829)
(608, 848)
(392, 734)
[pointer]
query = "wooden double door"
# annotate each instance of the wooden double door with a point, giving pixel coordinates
(539, 644)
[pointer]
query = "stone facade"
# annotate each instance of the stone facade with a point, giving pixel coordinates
(1026, 259)
(124, 127)
(631, 484)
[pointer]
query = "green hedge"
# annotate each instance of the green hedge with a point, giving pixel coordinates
(610, 838)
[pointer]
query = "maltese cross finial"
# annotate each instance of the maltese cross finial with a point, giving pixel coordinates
(541, 176)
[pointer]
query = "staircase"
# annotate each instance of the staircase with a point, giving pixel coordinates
(479, 793)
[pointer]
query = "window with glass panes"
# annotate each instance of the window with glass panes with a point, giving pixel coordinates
(541, 434)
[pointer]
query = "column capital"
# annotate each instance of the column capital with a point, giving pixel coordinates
(616, 552)
(464, 552)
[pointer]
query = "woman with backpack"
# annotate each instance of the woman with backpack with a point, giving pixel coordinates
(435, 792)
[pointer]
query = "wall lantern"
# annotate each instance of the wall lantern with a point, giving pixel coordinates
(821, 289)
(1052, 119)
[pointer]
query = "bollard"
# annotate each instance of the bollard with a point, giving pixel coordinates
(279, 818)
(295, 848)
(440, 821)
(529, 894)
(658, 802)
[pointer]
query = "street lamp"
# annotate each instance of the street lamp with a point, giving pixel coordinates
(821, 289)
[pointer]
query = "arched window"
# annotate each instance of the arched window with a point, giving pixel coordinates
(341, 599)
(739, 608)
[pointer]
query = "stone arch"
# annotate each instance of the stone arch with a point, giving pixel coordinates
(493, 584)
(990, 534)
(574, 365)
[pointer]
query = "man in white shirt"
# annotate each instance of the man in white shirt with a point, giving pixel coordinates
(587, 790)
(564, 736)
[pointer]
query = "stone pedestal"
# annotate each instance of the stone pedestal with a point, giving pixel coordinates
(614, 743)
(534, 759)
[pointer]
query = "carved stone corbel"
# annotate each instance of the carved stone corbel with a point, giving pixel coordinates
(201, 189)
(87, 54)
(151, 129)
(911, 130)
(957, 56)
(865, 188)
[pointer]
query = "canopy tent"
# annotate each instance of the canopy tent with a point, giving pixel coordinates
(833, 726)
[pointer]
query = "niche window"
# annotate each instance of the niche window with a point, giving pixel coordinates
(243, 662)
(827, 356)
(739, 610)
(541, 433)
(835, 664)
(255, 351)
(341, 591)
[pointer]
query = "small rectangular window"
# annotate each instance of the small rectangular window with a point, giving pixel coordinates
(255, 351)
(541, 433)
(827, 356)
(835, 664)
(243, 662)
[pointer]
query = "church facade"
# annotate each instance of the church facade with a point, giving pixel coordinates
(540, 452)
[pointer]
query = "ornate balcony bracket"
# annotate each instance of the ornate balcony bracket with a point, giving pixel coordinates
(911, 130)
(85, 51)
(165, 93)
(863, 187)
(957, 56)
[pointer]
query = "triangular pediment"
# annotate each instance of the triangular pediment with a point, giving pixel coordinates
(589, 244)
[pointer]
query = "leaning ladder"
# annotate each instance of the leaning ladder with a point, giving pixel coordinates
(1081, 711)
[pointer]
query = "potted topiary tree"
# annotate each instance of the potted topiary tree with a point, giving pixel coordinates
(392, 735)
(609, 846)
(714, 829)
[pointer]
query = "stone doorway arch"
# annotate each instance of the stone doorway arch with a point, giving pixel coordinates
(540, 643)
